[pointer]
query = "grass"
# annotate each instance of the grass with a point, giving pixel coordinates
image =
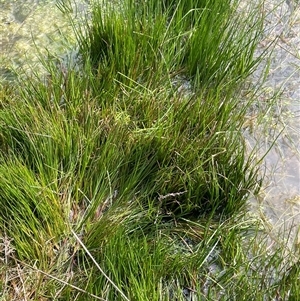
(128, 178)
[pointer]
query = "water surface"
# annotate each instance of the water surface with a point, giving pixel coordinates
(29, 28)
(279, 202)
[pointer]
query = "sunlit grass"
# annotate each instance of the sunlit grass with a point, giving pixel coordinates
(127, 178)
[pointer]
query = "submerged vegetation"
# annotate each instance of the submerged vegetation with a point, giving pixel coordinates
(127, 177)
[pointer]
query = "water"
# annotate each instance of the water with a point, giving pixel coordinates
(29, 28)
(279, 204)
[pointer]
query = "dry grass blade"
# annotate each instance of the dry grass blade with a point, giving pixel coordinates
(98, 266)
(59, 280)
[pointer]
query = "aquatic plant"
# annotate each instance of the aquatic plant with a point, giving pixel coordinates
(127, 178)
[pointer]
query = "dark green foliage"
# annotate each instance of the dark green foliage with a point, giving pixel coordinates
(198, 39)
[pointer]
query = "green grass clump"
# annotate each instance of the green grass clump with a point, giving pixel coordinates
(127, 178)
(150, 42)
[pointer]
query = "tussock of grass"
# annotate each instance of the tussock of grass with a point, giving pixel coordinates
(148, 42)
(127, 179)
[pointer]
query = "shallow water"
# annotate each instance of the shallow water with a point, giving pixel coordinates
(280, 200)
(31, 26)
